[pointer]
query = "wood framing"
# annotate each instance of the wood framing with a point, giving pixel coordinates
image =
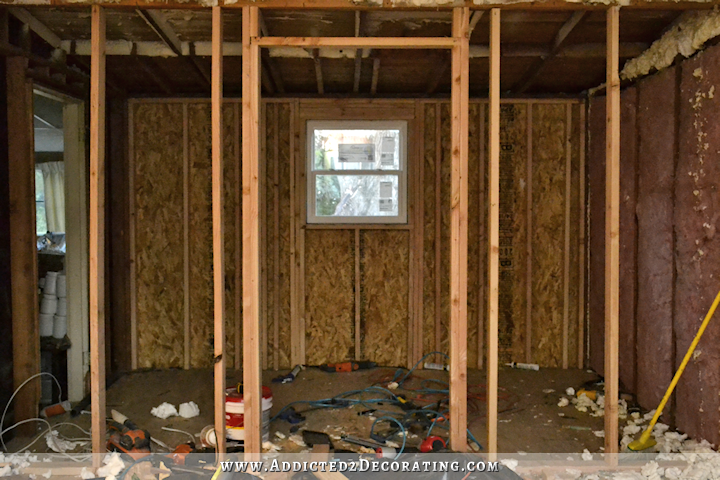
(438, 227)
(528, 238)
(612, 236)
(459, 104)
(566, 249)
(276, 242)
(23, 258)
(358, 352)
(97, 233)
(133, 256)
(186, 239)
(251, 232)
(238, 239)
(218, 248)
(417, 272)
(493, 234)
(359, 42)
(581, 245)
(482, 201)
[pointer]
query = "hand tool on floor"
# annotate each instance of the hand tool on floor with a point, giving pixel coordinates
(126, 437)
(433, 443)
(646, 441)
(290, 377)
(347, 366)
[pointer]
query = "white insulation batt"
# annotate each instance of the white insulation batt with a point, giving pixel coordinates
(687, 36)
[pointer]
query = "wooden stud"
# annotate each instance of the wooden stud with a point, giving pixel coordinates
(493, 225)
(375, 75)
(361, 42)
(251, 233)
(318, 71)
(276, 242)
(460, 91)
(528, 237)
(218, 227)
(23, 258)
(566, 250)
(97, 233)
(482, 201)
(612, 236)
(263, 236)
(581, 249)
(238, 237)
(358, 351)
(295, 300)
(186, 237)
(133, 255)
(301, 207)
(438, 228)
(418, 229)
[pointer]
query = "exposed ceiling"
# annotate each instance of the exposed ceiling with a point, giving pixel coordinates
(544, 52)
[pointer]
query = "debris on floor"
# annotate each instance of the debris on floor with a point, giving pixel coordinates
(164, 410)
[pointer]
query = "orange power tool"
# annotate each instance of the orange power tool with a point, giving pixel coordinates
(126, 437)
(347, 366)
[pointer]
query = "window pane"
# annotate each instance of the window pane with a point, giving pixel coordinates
(356, 195)
(356, 150)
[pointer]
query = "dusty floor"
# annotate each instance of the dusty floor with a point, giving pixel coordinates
(530, 419)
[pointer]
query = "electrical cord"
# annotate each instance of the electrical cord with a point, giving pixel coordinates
(402, 429)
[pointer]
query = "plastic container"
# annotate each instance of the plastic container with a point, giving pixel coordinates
(61, 286)
(60, 326)
(46, 324)
(48, 304)
(50, 287)
(235, 410)
(61, 306)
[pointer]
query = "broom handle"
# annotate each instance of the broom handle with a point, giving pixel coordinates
(684, 363)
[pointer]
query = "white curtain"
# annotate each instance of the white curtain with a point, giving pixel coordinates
(54, 178)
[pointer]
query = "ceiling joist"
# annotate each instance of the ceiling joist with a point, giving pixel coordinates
(558, 43)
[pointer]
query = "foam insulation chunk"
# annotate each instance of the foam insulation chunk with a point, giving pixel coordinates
(189, 410)
(686, 37)
(164, 410)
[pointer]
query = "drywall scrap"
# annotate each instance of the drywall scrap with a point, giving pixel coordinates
(689, 34)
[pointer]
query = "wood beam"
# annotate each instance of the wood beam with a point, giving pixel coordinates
(269, 62)
(36, 26)
(612, 235)
(375, 76)
(558, 43)
(353, 42)
(493, 234)
(164, 30)
(97, 233)
(216, 96)
(476, 17)
(251, 232)
(318, 71)
(358, 54)
(23, 254)
(459, 104)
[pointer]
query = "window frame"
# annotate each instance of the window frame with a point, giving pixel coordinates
(312, 173)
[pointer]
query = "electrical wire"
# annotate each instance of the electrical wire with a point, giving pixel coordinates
(7, 405)
(402, 429)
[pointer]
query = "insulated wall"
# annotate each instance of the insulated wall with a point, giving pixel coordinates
(335, 292)
(677, 262)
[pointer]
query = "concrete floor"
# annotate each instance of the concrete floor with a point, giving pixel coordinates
(530, 420)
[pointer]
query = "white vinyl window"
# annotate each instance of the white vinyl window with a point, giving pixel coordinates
(357, 171)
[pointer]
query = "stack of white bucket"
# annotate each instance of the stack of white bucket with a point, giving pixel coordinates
(53, 306)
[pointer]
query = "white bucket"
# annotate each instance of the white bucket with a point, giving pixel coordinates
(61, 286)
(48, 304)
(60, 326)
(235, 414)
(46, 324)
(61, 306)
(50, 283)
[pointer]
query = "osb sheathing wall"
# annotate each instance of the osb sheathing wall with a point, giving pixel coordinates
(678, 250)
(373, 292)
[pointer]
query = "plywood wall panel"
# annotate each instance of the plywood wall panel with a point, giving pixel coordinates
(385, 281)
(330, 298)
(157, 176)
(428, 191)
(285, 132)
(549, 123)
(231, 221)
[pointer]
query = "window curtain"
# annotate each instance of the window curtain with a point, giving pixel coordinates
(54, 178)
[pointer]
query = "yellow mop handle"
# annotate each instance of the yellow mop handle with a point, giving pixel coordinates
(648, 431)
